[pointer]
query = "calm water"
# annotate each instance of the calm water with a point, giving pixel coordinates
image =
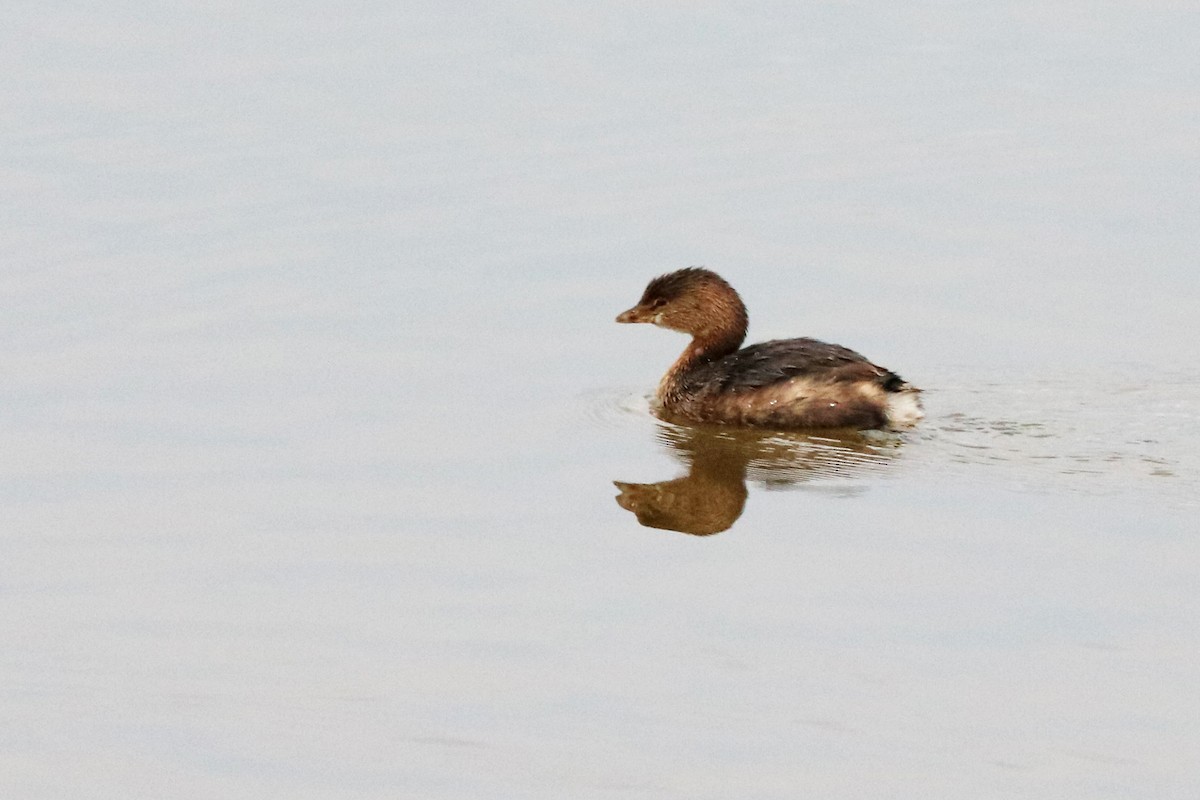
(326, 473)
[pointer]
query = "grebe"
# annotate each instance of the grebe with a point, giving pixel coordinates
(784, 383)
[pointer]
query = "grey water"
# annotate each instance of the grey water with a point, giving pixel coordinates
(325, 472)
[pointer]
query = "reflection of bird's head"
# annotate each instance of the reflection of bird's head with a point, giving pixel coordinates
(685, 504)
(711, 497)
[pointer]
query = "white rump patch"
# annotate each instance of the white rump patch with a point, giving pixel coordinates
(904, 409)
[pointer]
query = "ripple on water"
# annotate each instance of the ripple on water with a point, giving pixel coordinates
(770, 457)
(615, 408)
(1082, 434)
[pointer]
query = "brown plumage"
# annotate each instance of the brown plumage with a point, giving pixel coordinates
(785, 383)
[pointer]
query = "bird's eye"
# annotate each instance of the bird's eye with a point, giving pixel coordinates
(659, 302)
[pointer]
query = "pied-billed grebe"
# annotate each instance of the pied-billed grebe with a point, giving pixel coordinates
(785, 383)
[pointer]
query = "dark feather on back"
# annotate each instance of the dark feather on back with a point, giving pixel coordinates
(779, 360)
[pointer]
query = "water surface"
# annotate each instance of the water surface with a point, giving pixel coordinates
(313, 403)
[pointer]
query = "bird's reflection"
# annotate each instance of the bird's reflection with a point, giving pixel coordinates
(712, 495)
